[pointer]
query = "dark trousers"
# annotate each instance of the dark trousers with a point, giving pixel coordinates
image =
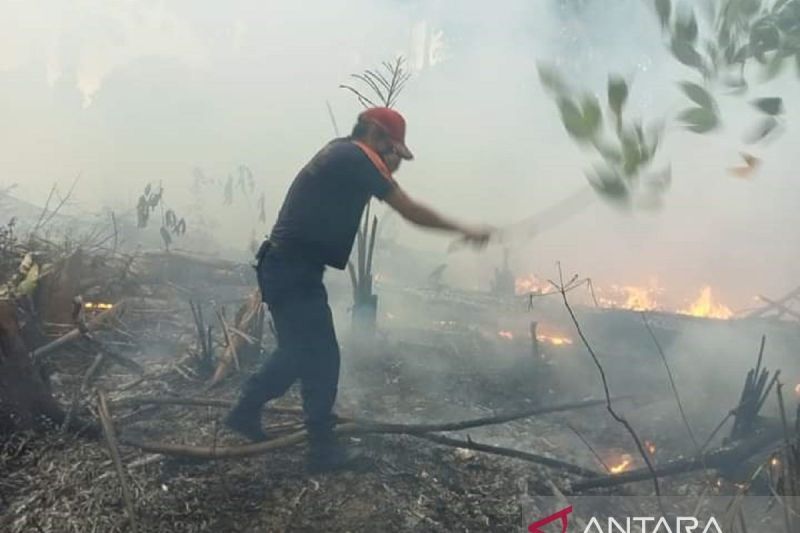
(307, 346)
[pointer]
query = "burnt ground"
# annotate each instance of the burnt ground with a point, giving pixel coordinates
(63, 482)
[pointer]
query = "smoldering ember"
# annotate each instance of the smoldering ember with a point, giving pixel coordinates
(399, 266)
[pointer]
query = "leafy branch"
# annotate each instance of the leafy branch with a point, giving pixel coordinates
(149, 201)
(625, 146)
(737, 34)
(385, 87)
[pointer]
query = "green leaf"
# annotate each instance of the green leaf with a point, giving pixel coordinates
(698, 95)
(551, 79)
(686, 54)
(764, 37)
(610, 185)
(766, 126)
(617, 93)
(771, 106)
(686, 27)
(699, 119)
(664, 10)
(592, 115)
(581, 125)
(28, 285)
(611, 154)
(631, 153)
(572, 118)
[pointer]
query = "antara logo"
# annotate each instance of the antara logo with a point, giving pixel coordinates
(643, 524)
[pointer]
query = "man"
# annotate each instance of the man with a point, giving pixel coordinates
(316, 227)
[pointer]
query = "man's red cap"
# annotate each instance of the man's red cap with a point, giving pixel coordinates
(393, 124)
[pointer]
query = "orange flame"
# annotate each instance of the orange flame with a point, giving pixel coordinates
(651, 446)
(630, 297)
(506, 334)
(97, 306)
(530, 284)
(705, 306)
(554, 340)
(625, 462)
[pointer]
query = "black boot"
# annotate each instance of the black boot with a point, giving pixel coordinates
(245, 419)
(327, 454)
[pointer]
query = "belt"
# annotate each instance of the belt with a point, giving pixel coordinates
(287, 251)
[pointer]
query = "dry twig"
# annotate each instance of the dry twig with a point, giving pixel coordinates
(113, 449)
(562, 288)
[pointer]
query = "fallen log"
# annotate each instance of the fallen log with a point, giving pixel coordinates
(113, 450)
(784, 310)
(94, 324)
(719, 458)
(509, 452)
(347, 426)
(451, 426)
(199, 402)
(771, 306)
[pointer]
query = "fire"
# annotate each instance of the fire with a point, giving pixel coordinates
(97, 306)
(797, 389)
(624, 463)
(506, 334)
(554, 340)
(530, 284)
(644, 298)
(704, 306)
(631, 297)
(651, 447)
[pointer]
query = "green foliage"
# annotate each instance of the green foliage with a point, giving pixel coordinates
(686, 54)
(617, 93)
(384, 85)
(581, 120)
(771, 106)
(698, 95)
(734, 35)
(738, 33)
(686, 27)
(610, 185)
(699, 120)
(625, 151)
(664, 10)
(148, 202)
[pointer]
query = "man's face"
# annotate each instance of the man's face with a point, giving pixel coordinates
(392, 160)
(382, 144)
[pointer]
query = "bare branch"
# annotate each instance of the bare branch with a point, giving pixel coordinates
(609, 407)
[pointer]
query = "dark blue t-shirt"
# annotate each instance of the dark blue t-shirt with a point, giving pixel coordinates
(321, 213)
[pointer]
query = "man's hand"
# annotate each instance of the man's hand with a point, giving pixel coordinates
(477, 237)
(422, 215)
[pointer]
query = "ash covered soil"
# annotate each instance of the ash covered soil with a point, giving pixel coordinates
(61, 482)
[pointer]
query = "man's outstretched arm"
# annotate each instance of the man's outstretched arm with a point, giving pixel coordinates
(424, 216)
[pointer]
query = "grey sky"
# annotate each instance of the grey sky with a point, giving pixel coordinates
(127, 92)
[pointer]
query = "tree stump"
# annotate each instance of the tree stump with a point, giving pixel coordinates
(26, 400)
